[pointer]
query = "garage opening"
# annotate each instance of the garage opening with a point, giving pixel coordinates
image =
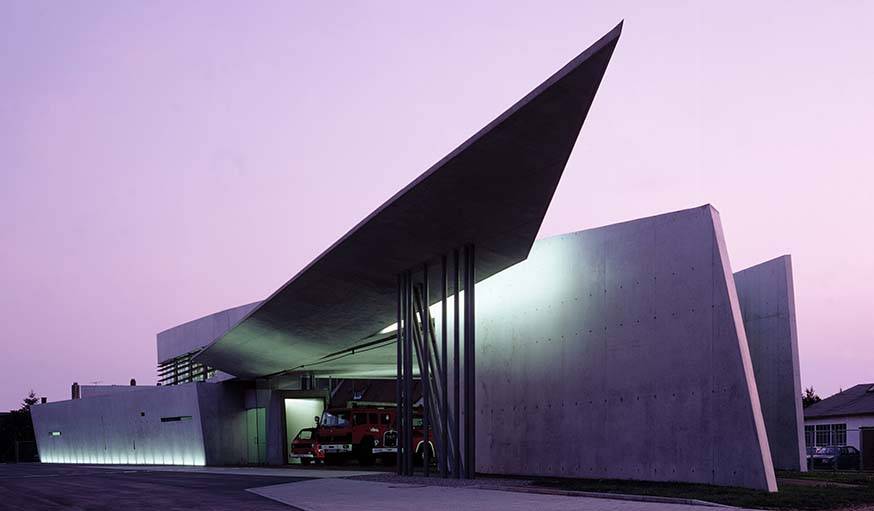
(299, 414)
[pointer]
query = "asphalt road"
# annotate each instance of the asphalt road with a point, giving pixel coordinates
(35, 487)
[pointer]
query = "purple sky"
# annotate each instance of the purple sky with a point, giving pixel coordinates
(160, 161)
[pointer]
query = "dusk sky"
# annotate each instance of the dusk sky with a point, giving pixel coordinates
(160, 161)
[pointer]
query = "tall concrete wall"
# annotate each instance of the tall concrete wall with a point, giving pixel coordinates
(196, 334)
(767, 302)
(223, 422)
(620, 352)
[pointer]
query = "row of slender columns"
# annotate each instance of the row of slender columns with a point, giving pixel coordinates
(415, 337)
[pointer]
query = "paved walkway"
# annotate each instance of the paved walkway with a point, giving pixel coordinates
(51, 487)
(240, 471)
(348, 495)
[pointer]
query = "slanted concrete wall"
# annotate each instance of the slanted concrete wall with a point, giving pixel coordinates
(123, 428)
(223, 420)
(767, 302)
(196, 334)
(620, 352)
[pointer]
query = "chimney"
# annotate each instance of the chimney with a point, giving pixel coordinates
(133, 382)
(74, 390)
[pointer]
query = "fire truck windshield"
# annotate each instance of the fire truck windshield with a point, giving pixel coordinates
(335, 419)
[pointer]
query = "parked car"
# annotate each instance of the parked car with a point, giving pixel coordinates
(837, 458)
(305, 446)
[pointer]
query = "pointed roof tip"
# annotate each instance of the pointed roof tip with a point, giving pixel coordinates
(605, 42)
(616, 31)
(610, 38)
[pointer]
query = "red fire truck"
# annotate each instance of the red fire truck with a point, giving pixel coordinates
(366, 433)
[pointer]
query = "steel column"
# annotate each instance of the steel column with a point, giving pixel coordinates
(400, 374)
(444, 403)
(424, 372)
(417, 343)
(456, 368)
(408, 369)
(469, 363)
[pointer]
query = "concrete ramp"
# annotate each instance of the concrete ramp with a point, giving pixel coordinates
(620, 352)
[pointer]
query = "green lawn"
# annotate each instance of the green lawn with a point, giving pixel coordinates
(797, 490)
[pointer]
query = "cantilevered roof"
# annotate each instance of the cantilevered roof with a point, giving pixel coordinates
(492, 191)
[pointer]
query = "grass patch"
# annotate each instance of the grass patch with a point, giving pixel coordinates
(860, 478)
(803, 494)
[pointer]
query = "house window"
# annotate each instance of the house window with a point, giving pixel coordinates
(827, 434)
(823, 434)
(839, 434)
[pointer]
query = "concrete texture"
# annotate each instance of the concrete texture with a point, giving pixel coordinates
(122, 428)
(34, 487)
(196, 334)
(223, 422)
(102, 390)
(500, 182)
(345, 494)
(613, 352)
(126, 428)
(767, 302)
(620, 352)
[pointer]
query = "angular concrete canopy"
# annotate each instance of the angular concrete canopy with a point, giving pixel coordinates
(492, 191)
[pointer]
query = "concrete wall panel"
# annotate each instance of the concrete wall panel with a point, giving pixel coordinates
(122, 428)
(619, 352)
(223, 420)
(767, 302)
(126, 428)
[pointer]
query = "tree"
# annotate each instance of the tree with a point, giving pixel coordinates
(29, 401)
(16, 427)
(809, 397)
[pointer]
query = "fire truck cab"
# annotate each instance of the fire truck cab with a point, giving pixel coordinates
(365, 433)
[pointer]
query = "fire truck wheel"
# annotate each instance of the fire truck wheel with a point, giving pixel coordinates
(365, 452)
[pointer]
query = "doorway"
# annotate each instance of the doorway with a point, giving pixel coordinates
(256, 436)
(867, 448)
(299, 414)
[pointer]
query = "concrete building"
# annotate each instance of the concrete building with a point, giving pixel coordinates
(614, 352)
(846, 418)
